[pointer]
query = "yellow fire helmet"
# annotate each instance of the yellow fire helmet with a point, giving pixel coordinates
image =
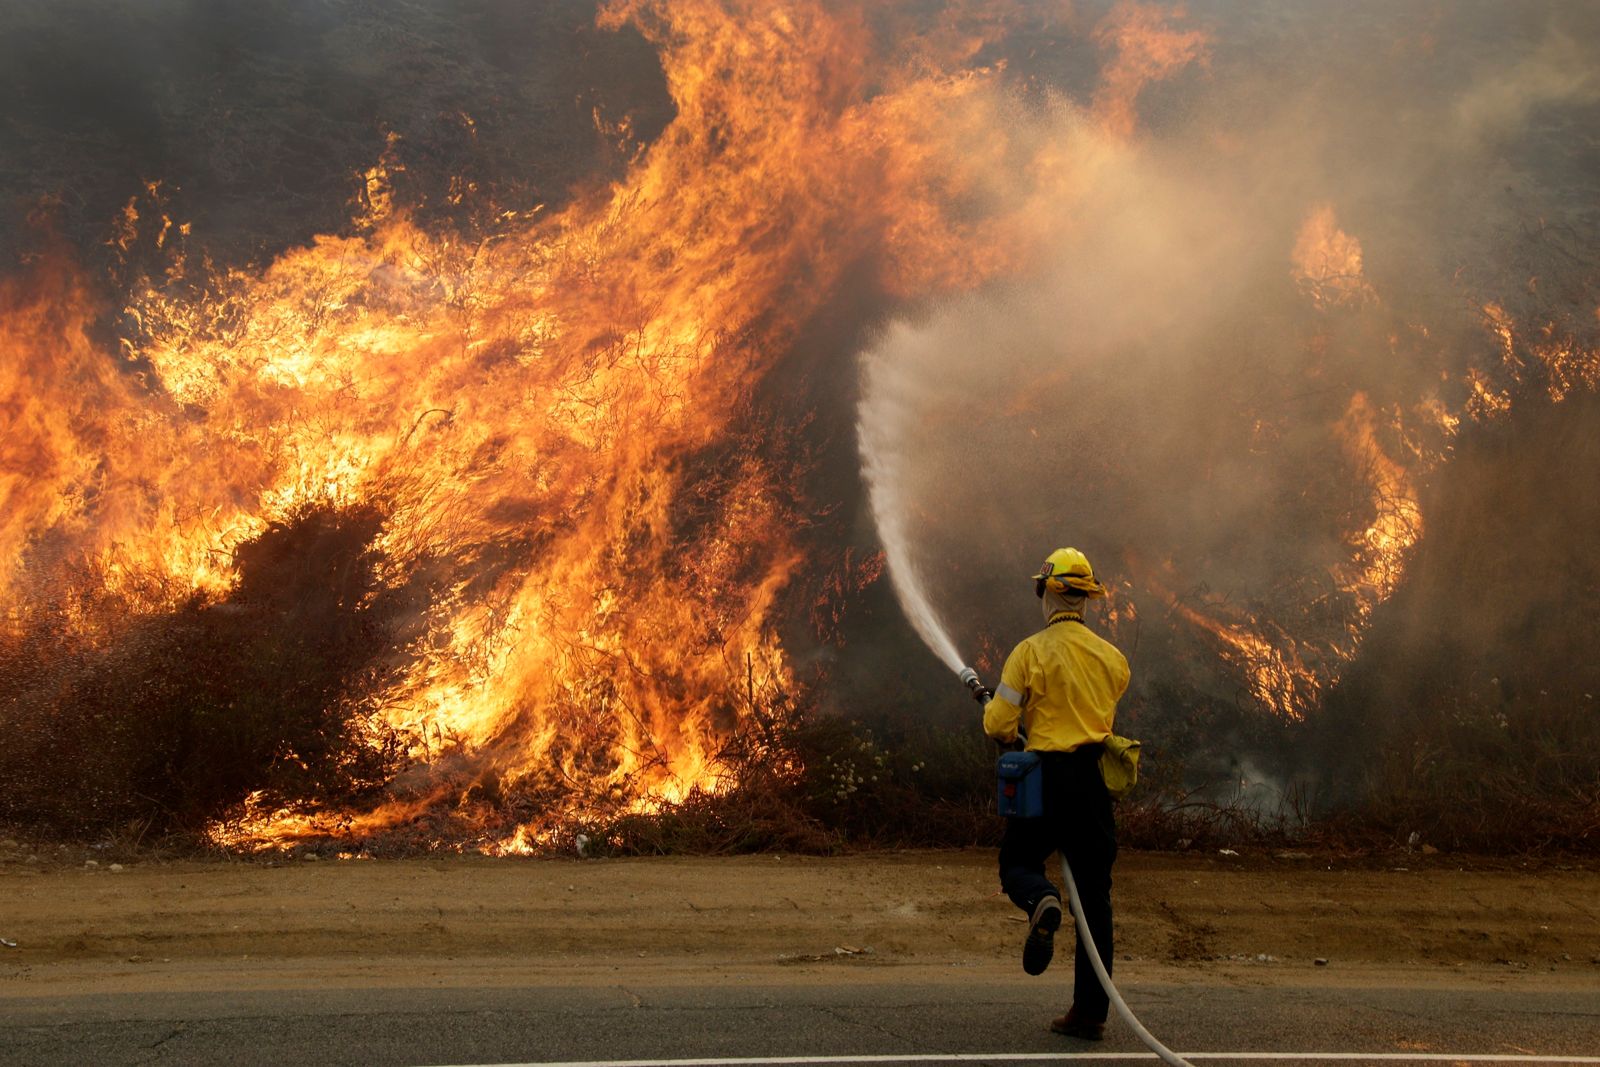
(1067, 571)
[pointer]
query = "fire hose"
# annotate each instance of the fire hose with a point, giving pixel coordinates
(1138, 1028)
(969, 678)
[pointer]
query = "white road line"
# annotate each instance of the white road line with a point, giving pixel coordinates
(1021, 1057)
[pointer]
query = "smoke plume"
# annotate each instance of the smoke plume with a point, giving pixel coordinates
(1267, 324)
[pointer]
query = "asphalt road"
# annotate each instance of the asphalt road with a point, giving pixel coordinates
(540, 1025)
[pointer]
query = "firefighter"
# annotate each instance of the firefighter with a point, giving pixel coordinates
(1061, 687)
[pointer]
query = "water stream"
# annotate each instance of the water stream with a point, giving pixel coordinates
(878, 433)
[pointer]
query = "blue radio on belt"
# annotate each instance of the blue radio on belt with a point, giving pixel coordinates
(1021, 789)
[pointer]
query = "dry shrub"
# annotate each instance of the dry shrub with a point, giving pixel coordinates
(804, 782)
(168, 719)
(1526, 779)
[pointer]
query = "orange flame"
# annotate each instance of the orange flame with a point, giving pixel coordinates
(1327, 261)
(557, 421)
(1146, 49)
(561, 421)
(1380, 550)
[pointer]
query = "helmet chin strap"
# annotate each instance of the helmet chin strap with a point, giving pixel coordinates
(1053, 602)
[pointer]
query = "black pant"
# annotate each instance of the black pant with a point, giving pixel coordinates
(1077, 821)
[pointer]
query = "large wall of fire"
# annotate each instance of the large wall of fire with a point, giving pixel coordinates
(556, 415)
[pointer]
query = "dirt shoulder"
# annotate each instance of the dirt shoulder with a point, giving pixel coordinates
(903, 917)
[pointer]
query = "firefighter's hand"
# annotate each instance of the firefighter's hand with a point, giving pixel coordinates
(982, 694)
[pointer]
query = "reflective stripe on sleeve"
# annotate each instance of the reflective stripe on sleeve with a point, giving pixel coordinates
(1005, 692)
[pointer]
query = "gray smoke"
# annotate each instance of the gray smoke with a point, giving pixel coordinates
(1168, 396)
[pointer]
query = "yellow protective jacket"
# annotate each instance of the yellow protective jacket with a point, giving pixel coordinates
(1062, 684)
